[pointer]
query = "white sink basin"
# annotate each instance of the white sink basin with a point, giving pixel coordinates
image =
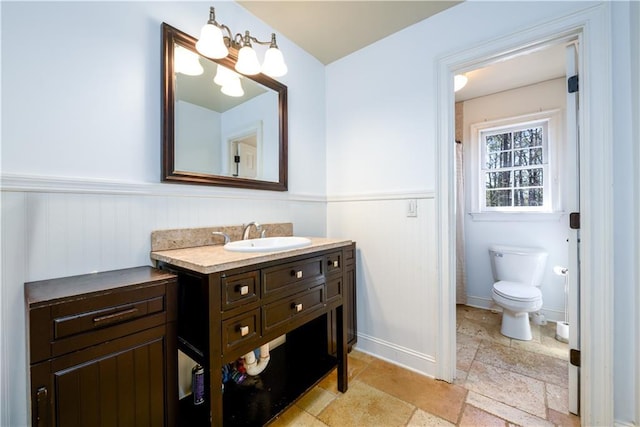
(267, 244)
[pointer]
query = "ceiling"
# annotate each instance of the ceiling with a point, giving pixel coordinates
(522, 70)
(330, 30)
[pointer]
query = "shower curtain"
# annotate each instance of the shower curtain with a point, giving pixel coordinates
(461, 281)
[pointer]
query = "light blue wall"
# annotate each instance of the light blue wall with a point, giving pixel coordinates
(83, 82)
(381, 144)
(81, 149)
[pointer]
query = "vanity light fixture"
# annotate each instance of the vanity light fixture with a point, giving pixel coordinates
(459, 81)
(214, 44)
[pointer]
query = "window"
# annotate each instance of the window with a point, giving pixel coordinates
(514, 168)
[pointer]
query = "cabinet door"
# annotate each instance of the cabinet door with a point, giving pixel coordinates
(120, 383)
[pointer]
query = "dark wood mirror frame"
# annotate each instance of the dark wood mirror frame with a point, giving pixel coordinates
(170, 37)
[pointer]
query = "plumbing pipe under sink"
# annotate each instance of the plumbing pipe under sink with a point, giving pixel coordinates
(253, 365)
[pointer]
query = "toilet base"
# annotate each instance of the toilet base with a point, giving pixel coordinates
(516, 325)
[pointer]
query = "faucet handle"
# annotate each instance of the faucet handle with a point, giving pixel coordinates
(227, 239)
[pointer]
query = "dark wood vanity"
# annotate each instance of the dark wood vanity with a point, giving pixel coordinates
(102, 349)
(104, 346)
(227, 313)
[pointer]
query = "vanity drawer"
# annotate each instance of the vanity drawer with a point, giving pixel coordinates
(93, 320)
(282, 279)
(239, 289)
(240, 329)
(334, 289)
(334, 263)
(72, 320)
(279, 312)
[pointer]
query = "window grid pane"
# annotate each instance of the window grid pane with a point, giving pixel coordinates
(499, 198)
(499, 142)
(498, 180)
(528, 177)
(528, 197)
(528, 137)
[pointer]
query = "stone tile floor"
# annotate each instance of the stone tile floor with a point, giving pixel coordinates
(500, 382)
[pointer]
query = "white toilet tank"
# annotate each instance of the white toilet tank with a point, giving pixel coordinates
(518, 264)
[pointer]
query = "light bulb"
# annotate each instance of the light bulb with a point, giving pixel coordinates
(247, 61)
(459, 81)
(233, 88)
(211, 43)
(274, 65)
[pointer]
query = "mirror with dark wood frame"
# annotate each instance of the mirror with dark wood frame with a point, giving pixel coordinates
(211, 138)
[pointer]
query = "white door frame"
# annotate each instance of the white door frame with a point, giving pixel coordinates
(592, 26)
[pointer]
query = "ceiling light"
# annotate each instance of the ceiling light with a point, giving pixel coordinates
(214, 44)
(459, 81)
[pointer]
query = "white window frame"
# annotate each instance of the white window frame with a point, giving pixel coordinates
(551, 120)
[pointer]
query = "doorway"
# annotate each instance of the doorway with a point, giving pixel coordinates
(511, 124)
(591, 24)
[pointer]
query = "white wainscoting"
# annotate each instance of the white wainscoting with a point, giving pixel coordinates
(396, 274)
(55, 227)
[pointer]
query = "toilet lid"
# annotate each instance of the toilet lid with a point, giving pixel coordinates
(516, 291)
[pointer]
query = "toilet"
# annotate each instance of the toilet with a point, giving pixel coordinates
(517, 272)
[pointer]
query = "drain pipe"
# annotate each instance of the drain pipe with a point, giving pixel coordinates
(254, 366)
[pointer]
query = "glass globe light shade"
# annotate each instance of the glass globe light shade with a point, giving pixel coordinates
(274, 65)
(233, 88)
(224, 75)
(186, 62)
(211, 43)
(247, 61)
(459, 81)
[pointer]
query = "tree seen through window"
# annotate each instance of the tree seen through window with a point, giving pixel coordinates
(514, 167)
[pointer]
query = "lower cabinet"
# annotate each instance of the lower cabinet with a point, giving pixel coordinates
(228, 313)
(102, 349)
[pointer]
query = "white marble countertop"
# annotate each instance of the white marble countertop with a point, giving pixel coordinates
(214, 258)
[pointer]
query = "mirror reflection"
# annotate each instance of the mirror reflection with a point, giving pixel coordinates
(221, 127)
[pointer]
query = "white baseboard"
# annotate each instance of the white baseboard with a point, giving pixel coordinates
(412, 360)
(488, 304)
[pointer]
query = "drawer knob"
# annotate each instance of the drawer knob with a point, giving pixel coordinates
(297, 307)
(297, 273)
(244, 290)
(244, 330)
(335, 263)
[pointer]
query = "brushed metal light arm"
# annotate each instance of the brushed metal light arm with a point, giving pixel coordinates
(238, 40)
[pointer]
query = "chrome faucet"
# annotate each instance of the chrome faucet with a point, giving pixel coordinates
(247, 228)
(223, 234)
